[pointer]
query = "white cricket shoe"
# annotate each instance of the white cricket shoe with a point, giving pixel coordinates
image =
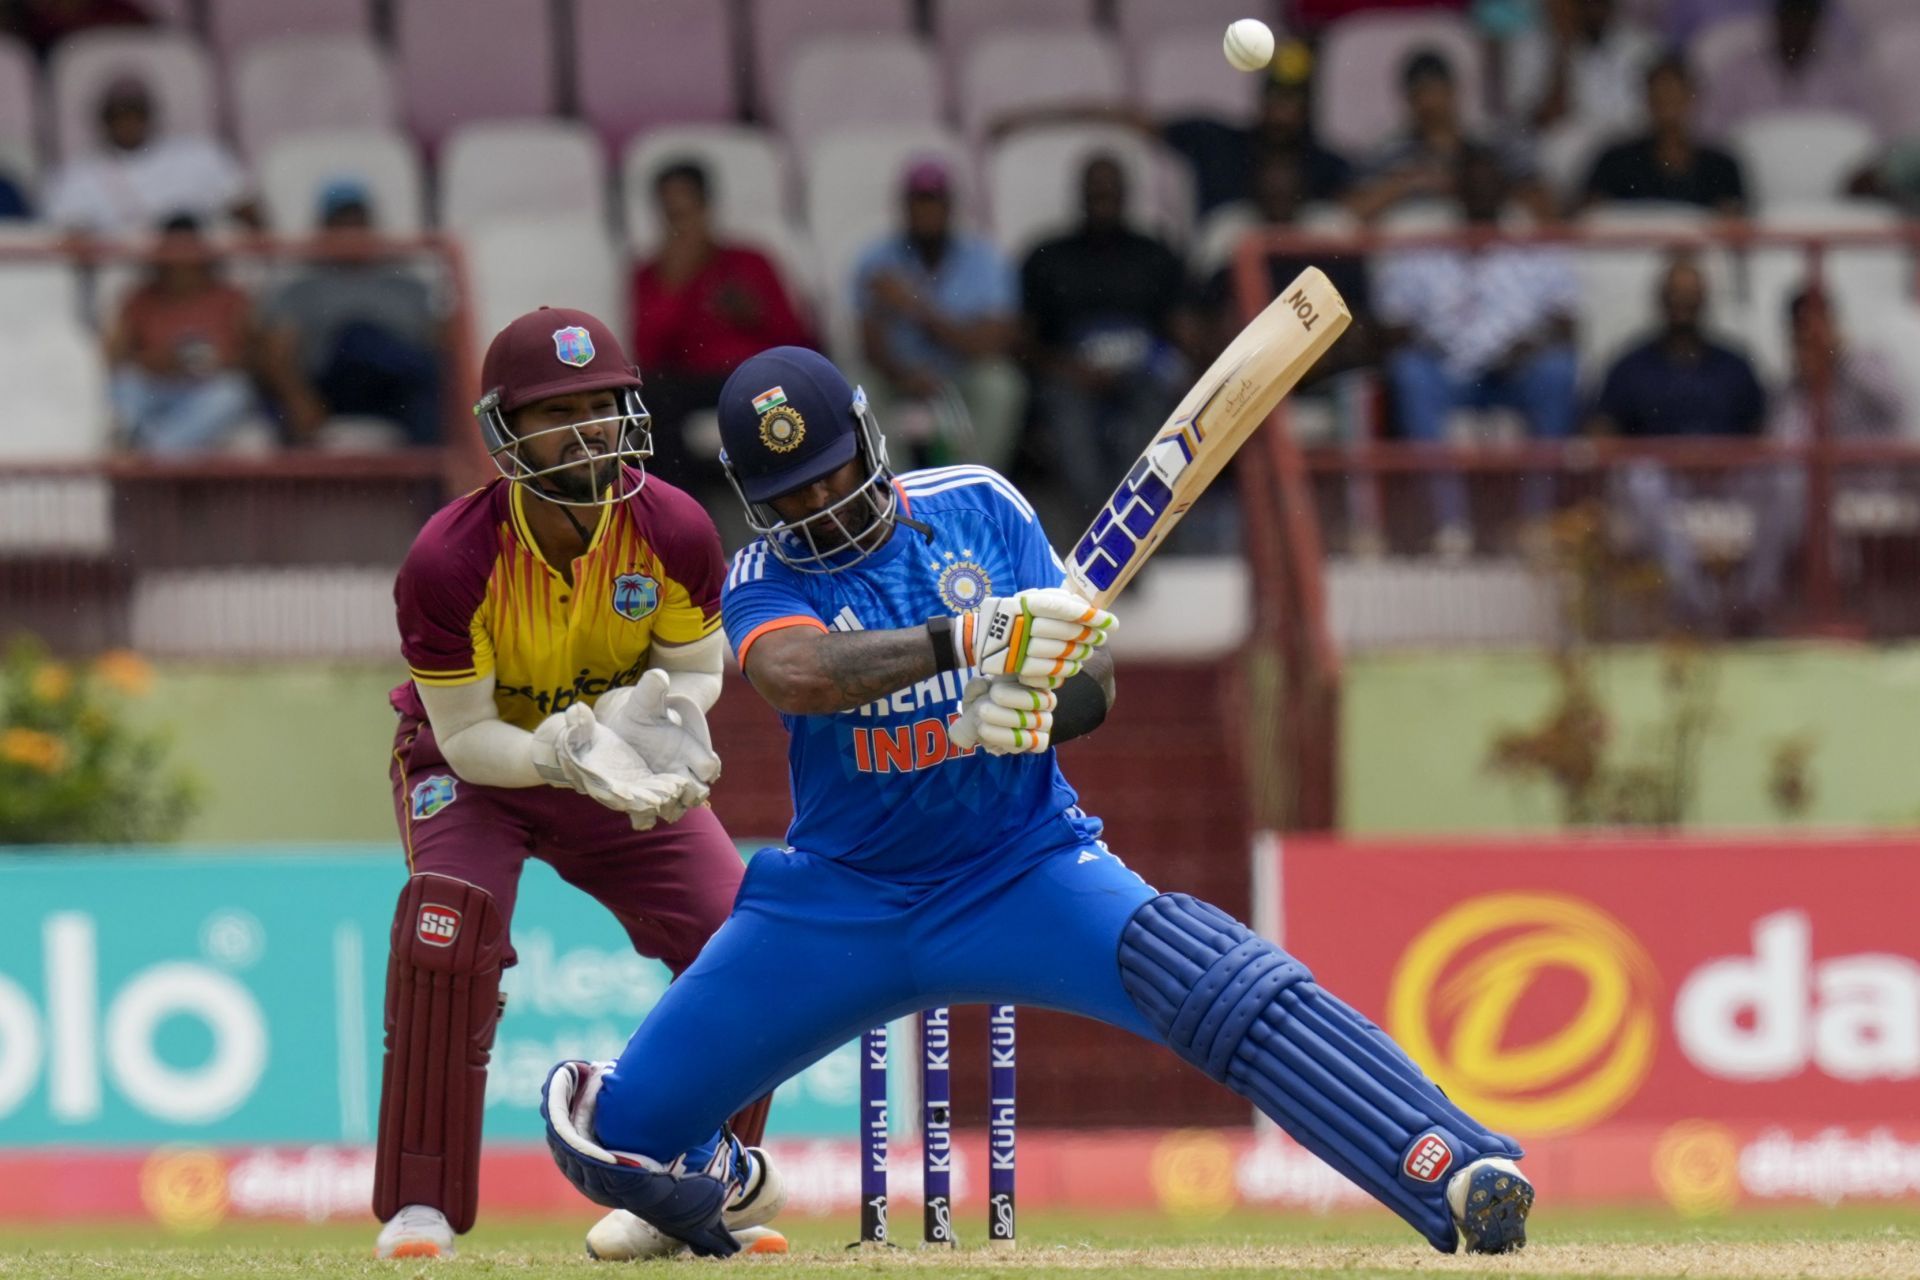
(417, 1231)
(1490, 1200)
(760, 1198)
(621, 1237)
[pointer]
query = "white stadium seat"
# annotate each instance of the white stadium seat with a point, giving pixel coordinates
(296, 170)
(462, 61)
(1891, 60)
(516, 265)
(34, 288)
(310, 84)
(1864, 283)
(1357, 98)
(19, 112)
(1618, 287)
(236, 25)
(521, 169)
(57, 392)
(746, 175)
(172, 65)
(957, 24)
(855, 80)
(1801, 155)
(778, 29)
(1182, 75)
(639, 64)
(1033, 182)
(1006, 74)
(1140, 20)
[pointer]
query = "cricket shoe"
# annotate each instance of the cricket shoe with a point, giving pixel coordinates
(762, 1194)
(622, 1237)
(417, 1231)
(1490, 1200)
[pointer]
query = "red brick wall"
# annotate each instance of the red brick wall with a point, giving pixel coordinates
(1165, 776)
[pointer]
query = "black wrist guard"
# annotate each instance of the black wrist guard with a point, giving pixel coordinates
(940, 635)
(1080, 705)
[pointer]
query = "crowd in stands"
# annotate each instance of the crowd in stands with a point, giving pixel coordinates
(1040, 331)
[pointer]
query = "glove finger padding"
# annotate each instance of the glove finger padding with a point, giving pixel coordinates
(1003, 717)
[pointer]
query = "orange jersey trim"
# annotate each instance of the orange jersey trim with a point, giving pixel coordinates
(776, 624)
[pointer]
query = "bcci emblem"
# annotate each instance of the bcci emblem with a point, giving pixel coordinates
(574, 346)
(433, 795)
(635, 595)
(963, 585)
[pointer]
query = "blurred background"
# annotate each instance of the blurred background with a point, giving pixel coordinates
(1560, 707)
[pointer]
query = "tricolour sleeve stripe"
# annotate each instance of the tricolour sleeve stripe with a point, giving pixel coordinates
(776, 624)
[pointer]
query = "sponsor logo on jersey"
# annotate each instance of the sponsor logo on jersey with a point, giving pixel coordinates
(439, 925)
(585, 685)
(782, 428)
(433, 794)
(1429, 1160)
(963, 585)
(635, 595)
(573, 345)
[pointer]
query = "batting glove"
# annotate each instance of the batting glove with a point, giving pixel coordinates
(1004, 717)
(1041, 637)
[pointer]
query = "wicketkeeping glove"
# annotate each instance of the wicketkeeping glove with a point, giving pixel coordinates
(572, 749)
(1004, 717)
(669, 732)
(1041, 637)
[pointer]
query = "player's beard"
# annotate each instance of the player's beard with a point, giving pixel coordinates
(581, 480)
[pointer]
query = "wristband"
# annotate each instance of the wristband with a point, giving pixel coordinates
(940, 635)
(1080, 705)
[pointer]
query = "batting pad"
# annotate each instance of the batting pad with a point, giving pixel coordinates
(1251, 1016)
(443, 998)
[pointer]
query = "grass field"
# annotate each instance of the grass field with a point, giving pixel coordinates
(1776, 1245)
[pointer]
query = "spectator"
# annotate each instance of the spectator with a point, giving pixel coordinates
(1422, 163)
(1105, 317)
(1585, 65)
(1863, 401)
(1668, 163)
(179, 352)
(937, 324)
(701, 305)
(356, 335)
(44, 23)
(14, 205)
(1224, 157)
(1678, 383)
(141, 177)
(1478, 328)
(1808, 62)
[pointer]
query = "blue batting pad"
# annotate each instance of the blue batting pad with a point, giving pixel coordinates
(1251, 1016)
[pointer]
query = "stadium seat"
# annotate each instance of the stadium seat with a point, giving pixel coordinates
(1618, 286)
(308, 84)
(1182, 76)
(1724, 42)
(1891, 61)
(746, 171)
(1865, 283)
(518, 264)
(19, 112)
(32, 288)
(520, 169)
(642, 63)
(856, 80)
(1006, 74)
(235, 25)
(461, 61)
(1141, 19)
(174, 66)
(1033, 182)
(777, 29)
(957, 24)
(853, 198)
(1793, 156)
(56, 392)
(294, 171)
(1356, 90)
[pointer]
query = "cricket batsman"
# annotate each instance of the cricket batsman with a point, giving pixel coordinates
(562, 629)
(914, 636)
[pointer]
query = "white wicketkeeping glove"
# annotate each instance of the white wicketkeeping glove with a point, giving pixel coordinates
(1041, 637)
(1004, 717)
(572, 749)
(669, 732)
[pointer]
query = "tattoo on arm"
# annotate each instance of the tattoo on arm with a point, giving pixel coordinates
(863, 666)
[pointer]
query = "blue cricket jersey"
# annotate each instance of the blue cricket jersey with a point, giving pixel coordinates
(881, 787)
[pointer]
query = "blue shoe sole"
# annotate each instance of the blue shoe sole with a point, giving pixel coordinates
(1495, 1220)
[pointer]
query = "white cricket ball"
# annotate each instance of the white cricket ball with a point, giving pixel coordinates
(1249, 44)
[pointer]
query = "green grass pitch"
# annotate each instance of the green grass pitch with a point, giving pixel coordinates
(1759, 1245)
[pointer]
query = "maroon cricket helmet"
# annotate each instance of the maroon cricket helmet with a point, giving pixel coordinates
(559, 351)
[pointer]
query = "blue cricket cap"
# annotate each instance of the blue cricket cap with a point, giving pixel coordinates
(786, 420)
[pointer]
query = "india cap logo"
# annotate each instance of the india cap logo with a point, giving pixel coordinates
(781, 427)
(573, 345)
(1534, 1011)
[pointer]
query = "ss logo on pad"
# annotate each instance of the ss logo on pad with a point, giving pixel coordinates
(439, 926)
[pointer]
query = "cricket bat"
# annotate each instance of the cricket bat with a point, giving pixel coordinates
(1217, 415)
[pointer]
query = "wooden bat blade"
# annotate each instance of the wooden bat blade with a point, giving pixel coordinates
(1233, 397)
